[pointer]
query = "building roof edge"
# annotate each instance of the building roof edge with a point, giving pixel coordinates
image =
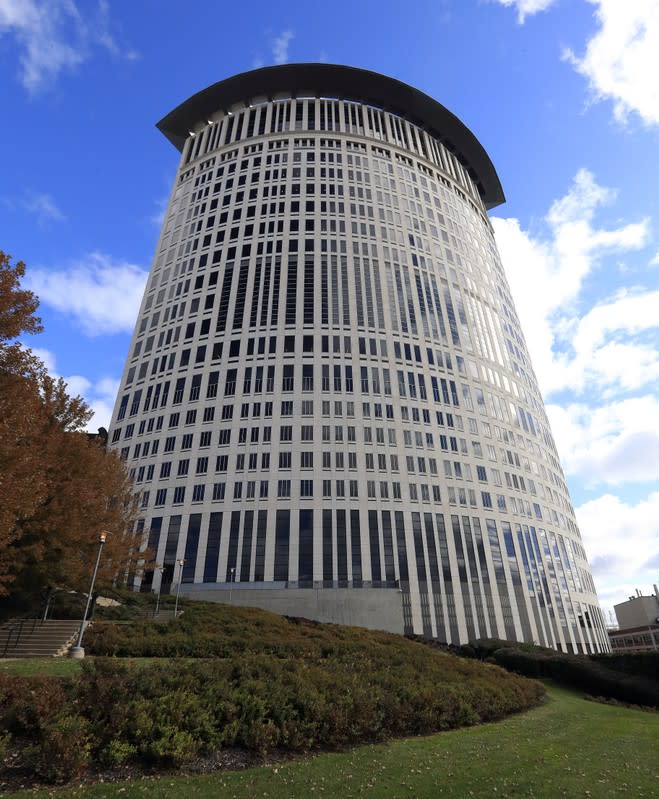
(346, 83)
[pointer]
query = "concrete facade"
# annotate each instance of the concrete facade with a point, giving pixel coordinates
(644, 638)
(328, 391)
(638, 611)
(373, 608)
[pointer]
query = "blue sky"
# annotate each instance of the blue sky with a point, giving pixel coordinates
(562, 94)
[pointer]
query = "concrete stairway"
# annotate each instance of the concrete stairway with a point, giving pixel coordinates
(24, 638)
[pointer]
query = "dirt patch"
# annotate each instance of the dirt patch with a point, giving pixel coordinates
(17, 774)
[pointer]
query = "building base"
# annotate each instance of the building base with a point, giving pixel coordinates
(373, 608)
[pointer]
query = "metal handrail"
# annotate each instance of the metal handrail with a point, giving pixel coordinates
(17, 626)
(12, 627)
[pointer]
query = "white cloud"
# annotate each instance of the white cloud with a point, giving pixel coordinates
(40, 30)
(566, 352)
(53, 36)
(627, 311)
(161, 203)
(44, 207)
(527, 7)
(606, 351)
(622, 542)
(39, 204)
(158, 216)
(100, 396)
(47, 356)
(99, 31)
(615, 443)
(102, 294)
(621, 60)
(280, 47)
(597, 351)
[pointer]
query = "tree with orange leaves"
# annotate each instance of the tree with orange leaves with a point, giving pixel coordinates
(22, 483)
(59, 487)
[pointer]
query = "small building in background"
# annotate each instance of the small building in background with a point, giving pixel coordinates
(638, 624)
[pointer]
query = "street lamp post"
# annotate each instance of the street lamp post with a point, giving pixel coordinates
(77, 651)
(181, 563)
(232, 581)
(161, 570)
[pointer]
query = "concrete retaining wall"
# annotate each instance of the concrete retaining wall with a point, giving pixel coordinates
(374, 608)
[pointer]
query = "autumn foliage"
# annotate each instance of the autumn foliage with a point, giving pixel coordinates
(225, 677)
(59, 487)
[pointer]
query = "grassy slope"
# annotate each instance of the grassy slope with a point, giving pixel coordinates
(567, 748)
(57, 667)
(240, 677)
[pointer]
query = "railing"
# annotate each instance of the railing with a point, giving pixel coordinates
(144, 613)
(17, 628)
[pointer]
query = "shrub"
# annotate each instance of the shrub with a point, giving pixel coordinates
(5, 740)
(526, 663)
(271, 682)
(28, 704)
(170, 746)
(172, 712)
(117, 752)
(582, 673)
(640, 664)
(64, 748)
(484, 648)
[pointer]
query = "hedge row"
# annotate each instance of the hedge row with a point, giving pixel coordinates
(608, 676)
(213, 630)
(167, 713)
(641, 664)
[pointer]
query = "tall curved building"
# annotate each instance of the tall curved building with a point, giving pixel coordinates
(328, 405)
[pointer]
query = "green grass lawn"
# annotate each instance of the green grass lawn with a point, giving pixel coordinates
(567, 748)
(58, 667)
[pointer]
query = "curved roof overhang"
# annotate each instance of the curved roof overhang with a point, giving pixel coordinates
(346, 83)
